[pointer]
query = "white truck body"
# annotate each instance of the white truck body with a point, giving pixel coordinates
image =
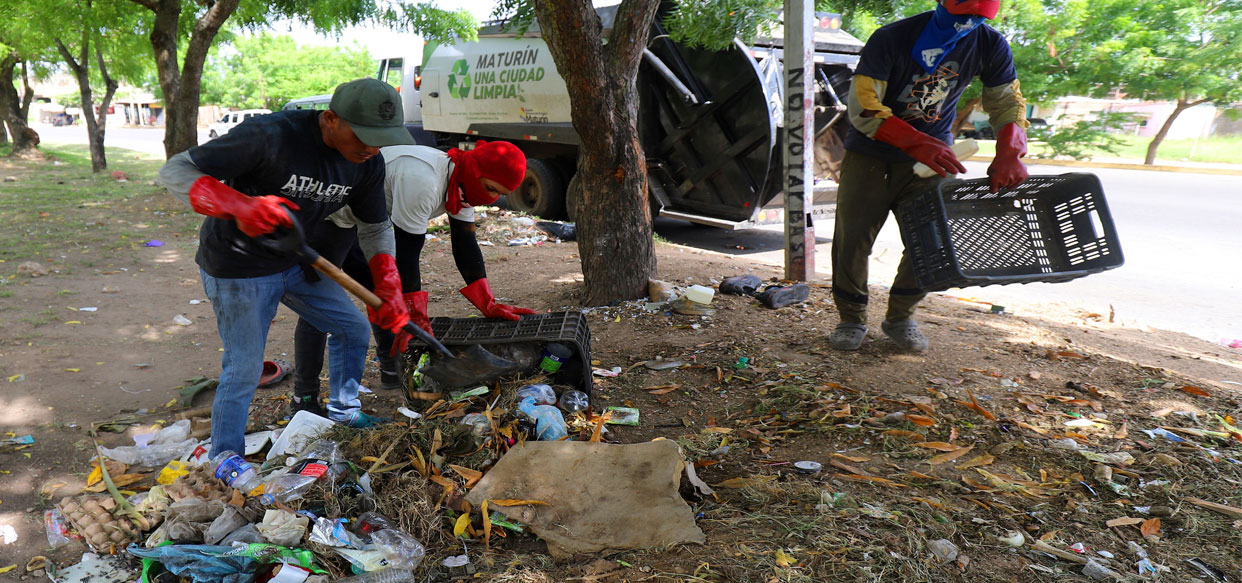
(709, 121)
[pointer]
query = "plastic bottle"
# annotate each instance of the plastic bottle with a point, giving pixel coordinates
(573, 401)
(543, 394)
(369, 523)
(549, 422)
(320, 459)
(286, 487)
(381, 576)
(400, 549)
(235, 471)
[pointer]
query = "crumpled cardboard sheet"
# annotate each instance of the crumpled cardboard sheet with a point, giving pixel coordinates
(600, 496)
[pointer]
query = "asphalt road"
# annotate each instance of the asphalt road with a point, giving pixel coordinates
(1181, 235)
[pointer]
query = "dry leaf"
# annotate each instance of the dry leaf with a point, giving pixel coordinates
(662, 389)
(948, 457)
(920, 420)
(443, 481)
(1196, 391)
(938, 446)
(746, 482)
(873, 479)
(471, 476)
(975, 406)
(906, 435)
(1123, 522)
(487, 524)
(459, 527)
(784, 560)
(513, 502)
(854, 458)
(983, 460)
(1150, 526)
(119, 481)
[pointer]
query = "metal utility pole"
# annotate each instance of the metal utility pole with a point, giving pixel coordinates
(799, 181)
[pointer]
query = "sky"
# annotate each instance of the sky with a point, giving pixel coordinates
(383, 43)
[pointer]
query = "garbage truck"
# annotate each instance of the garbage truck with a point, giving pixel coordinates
(709, 121)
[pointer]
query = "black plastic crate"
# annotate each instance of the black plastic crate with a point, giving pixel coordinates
(569, 328)
(1049, 228)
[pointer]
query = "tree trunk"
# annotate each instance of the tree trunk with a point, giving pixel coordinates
(15, 108)
(181, 86)
(81, 67)
(1182, 105)
(615, 238)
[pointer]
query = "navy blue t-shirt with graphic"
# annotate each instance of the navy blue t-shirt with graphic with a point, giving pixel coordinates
(927, 102)
(281, 154)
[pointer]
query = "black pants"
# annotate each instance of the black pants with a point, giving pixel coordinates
(340, 247)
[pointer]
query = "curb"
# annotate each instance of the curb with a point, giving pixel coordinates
(1121, 166)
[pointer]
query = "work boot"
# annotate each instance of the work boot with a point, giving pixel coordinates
(740, 285)
(848, 336)
(389, 377)
(308, 402)
(359, 420)
(906, 334)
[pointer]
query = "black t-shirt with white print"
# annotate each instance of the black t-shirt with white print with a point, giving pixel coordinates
(281, 154)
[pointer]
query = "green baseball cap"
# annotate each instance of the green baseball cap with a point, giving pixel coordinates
(372, 108)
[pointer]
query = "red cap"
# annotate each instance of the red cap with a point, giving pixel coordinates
(984, 8)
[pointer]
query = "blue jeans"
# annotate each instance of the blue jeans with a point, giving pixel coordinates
(244, 310)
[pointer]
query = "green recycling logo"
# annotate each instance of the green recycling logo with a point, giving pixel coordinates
(459, 80)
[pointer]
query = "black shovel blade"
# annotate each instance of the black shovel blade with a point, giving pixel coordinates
(428, 339)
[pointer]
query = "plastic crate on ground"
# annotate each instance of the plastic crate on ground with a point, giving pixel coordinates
(1049, 229)
(568, 328)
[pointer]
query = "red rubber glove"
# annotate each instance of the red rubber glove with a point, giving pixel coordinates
(255, 215)
(936, 154)
(392, 315)
(416, 303)
(1006, 170)
(479, 292)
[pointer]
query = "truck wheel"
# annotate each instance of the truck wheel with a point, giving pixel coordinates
(573, 199)
(542, 192)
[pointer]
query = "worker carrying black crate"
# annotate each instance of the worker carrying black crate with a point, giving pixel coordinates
(901, 109)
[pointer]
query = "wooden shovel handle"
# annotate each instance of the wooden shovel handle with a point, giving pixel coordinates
(350, 284)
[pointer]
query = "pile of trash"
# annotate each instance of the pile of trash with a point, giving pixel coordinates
(316, 501)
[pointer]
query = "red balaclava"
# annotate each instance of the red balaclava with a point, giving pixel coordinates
(499, 161)
(984, 8)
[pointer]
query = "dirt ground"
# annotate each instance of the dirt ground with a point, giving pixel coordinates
(964, 443)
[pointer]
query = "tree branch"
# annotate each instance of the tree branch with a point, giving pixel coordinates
(151, 5)
(633, 24)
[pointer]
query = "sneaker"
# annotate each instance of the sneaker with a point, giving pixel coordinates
(359, 420)
(740, 285)
(306, 403)
(779, 296)
(906, 334)
(848, 336)
(389, 380)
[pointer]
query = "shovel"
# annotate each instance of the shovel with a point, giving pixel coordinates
(291, 241)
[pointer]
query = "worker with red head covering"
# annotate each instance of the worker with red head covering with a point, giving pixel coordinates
(902, 109)
(421, 183)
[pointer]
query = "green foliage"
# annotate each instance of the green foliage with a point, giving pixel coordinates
(266, 71)
(434, 24)
(1084, 138)
(714, 24)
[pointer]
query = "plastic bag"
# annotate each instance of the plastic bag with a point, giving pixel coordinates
(186, 520)
(281, 527)
(201, 563)
(330, 532)
(59, 532)
(151, 456)
(228, 521)
(246, 534)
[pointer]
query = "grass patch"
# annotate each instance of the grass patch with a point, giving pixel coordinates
(58, 212)
(1218, 149)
